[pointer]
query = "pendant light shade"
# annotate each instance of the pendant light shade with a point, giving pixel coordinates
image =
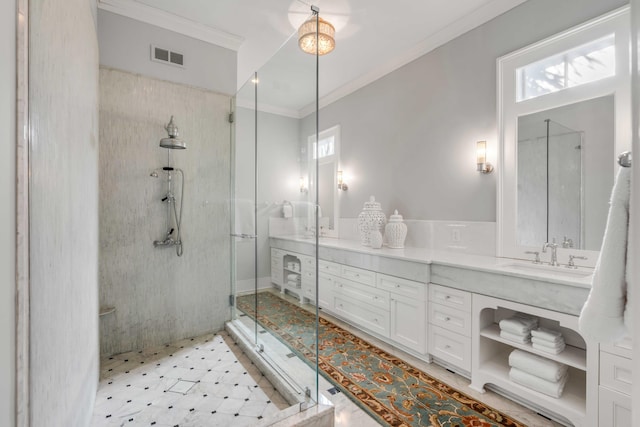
(307, 36)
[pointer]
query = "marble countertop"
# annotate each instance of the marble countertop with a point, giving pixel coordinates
(580, 277)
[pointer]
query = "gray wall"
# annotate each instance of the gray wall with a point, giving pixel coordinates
(278, 178)
(158, 296)
(125, 45)
(7, 211)
(409, 137)
(63, 212)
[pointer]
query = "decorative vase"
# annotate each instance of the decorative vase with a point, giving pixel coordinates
(396, 231)
(375, 237)
(371, 215)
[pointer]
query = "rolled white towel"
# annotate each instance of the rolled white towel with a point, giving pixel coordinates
(547, 335)
(550, 388)
(293, 276)
(542, 367)
(551, 350)
(518, 324)
(522, 339)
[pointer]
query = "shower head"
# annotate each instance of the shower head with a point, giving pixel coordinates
(172, 142)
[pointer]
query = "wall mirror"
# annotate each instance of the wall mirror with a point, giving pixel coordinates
(564, 115)
(328, 156)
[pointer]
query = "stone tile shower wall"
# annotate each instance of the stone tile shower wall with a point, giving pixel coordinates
(158, 296)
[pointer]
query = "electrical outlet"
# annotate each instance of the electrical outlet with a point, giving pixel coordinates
(455, 235)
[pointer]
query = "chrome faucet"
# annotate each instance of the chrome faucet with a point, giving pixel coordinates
(554, 255)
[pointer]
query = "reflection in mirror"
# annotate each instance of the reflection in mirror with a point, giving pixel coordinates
(328, 154)
(564, 176)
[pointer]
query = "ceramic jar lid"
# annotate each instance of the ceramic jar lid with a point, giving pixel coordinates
(396, 217)
(372, 205)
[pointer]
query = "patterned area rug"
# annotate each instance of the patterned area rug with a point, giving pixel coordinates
(392, 391)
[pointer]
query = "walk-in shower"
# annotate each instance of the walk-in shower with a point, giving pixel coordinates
(174, 216)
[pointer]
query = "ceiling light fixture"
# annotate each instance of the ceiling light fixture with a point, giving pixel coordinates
(325, 35)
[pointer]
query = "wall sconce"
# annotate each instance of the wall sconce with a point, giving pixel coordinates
(481, 158)
(303, 185)
(341, 184)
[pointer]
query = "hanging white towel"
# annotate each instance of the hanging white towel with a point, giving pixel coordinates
(603, 316)
(542, 367)
(244, 217)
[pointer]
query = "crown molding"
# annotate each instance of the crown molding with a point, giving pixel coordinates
(268, 108)
(450, 32)
(160, 18)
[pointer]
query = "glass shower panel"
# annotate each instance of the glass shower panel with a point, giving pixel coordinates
(275, 290)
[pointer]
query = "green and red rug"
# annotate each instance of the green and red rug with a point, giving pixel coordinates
(392, 391)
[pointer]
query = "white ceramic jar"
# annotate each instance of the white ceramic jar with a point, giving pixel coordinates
(395, 231)
(371, 215)
(375, 237)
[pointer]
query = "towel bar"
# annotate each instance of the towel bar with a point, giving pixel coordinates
(624, 159)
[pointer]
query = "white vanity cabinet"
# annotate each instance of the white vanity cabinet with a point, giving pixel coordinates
(407, 310)
(614, 390)
(294, 273)
(490, 365)
(450, 326)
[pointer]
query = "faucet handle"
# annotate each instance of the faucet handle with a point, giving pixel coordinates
(537, 254)
(571, 264)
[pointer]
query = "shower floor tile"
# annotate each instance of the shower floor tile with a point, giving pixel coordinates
(203, 381)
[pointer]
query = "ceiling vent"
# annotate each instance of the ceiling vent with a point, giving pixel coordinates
(166, 56)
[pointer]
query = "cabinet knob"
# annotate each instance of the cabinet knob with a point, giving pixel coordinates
(397, 286)
(447, 297)
(446, 319)
(375, 320)
(447, 347)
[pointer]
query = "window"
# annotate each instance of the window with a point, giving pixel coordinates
(584, 64)
(326, 147)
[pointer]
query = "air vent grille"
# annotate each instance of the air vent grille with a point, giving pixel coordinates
(166, 56)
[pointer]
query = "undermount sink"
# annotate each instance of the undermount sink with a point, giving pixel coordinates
(548, 269)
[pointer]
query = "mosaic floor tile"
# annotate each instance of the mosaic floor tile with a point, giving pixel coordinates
(214, 384)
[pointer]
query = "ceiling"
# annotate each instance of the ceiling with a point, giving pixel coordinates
(373, 37)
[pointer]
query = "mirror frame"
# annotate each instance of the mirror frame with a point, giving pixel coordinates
(616, 22)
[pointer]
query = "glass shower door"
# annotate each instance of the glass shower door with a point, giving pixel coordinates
(268, 114)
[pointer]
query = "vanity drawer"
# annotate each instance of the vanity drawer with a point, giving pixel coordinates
(452, 348)
(451, 319)
(308, 278)
(277, 253)
(362, 295)
(615, 372)
(307, 263)
(309, 291)
(358, 275)
(376, 320)
(329, 267)
(407, 288)
(450, 297)
(622, 348)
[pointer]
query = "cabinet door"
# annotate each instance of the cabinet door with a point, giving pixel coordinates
(615, 408)
(326, 282)
(408, 325)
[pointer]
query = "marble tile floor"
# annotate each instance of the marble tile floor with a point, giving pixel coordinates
(349, 414)
(198, 382)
